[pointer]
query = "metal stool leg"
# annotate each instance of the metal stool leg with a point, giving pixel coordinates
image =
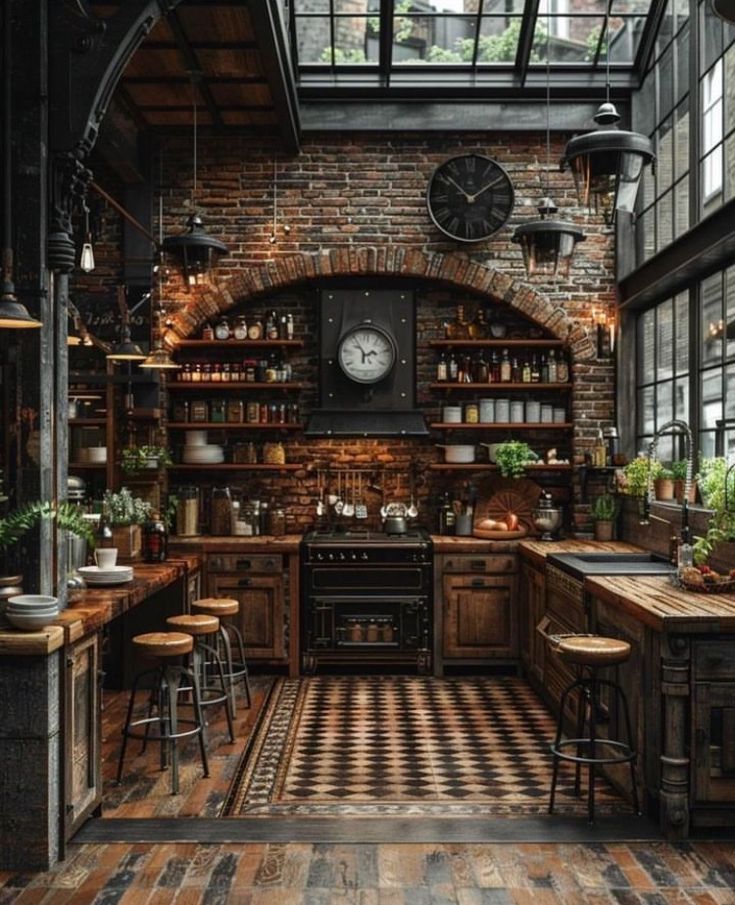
(555, 747)
(633, 783)
(240, 641)
(592, 748)
(126, 725)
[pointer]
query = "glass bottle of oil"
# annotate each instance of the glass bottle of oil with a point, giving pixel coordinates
(458, 328)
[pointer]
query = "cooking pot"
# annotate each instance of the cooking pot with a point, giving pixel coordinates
(395, 524)
(458, 453)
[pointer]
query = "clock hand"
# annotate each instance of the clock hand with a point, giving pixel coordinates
(457, 186)
(490, 184)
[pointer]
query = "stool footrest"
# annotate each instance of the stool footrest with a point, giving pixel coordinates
(624, 757)
(154, 736)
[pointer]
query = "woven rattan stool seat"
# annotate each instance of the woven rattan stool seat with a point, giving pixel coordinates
(593, 650)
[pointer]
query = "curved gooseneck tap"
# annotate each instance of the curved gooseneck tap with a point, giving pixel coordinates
(679, 428)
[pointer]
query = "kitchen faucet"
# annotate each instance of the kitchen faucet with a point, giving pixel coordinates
(680, 428)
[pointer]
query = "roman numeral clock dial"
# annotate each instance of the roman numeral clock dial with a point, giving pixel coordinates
(470, 197)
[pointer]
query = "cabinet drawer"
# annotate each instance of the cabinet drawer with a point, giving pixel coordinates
(491, 565)
(714, 660)
(245, 562)
(565, 599)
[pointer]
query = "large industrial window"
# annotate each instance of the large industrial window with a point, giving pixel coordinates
(716, 364)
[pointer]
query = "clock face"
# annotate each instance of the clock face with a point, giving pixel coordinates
(470, 197)
(366, 353)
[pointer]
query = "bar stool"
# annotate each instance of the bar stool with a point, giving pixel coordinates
(588, 653)
(166, 647)
(203, 656)
(229, 636)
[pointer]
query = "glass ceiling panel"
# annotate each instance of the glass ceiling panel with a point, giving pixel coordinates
(467, 35)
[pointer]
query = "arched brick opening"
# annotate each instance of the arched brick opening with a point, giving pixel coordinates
(449, 269)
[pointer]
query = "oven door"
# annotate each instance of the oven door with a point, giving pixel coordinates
(362, 624)
(368, 579)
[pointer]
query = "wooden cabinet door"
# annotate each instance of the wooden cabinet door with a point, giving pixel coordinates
(479, 616)
(533, 607)
(82, 721)
(261, 612)
(714, 742)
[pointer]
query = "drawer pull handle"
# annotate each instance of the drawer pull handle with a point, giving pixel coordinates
(478, 565)
(244, 582)
(478, 583)
(243, 564)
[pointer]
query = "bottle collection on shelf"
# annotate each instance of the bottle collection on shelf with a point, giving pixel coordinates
(275, 327)
(274, 369)
(502, 368)
(235, 411)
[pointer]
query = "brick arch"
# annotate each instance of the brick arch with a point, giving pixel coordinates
(449, 269)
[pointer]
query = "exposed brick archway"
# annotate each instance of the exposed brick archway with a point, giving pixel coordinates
(449, 269)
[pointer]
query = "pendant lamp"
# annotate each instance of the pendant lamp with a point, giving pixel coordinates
(13, 314)
(547, 244)
(194, 248)
(607, 164)
(725, 9)
(126, 349)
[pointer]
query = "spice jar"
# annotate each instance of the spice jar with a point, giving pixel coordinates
(274, 454)
(355, 631)
(277, 522)
(217, 411)
(252, 412)
(471, 413)
(234, 411)
(373, 633)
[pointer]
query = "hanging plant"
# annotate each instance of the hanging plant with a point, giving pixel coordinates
(68, 517)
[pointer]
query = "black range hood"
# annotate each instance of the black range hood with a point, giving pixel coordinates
(332, 423)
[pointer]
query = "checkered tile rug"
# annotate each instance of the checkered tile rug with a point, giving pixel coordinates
(364, 745)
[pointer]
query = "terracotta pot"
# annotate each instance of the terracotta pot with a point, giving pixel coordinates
(664, 488)
(128, 540)
(679, 491)
(604, 530)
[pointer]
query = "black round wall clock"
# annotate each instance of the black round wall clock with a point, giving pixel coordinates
(469, 197)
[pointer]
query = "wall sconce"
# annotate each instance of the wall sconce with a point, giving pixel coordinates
(86, 260)
(606, 332)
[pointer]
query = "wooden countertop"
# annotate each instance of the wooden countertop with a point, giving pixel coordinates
(654, 601)
(449, 544)
(89, 609)
(207, 543)
(538, 550)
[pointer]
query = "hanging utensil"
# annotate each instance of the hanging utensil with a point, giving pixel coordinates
(339, 505)
(349, 508)
(361, 508)
(320, 494)
(413, 509)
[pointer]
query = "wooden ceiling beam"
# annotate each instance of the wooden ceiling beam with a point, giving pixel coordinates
(191, 61)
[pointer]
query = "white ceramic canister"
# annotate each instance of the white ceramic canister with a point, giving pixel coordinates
(487, 411)
(452, 414)
(502, 411)
(560, 415)
(517, 411)
(533, 411)
(547, 414)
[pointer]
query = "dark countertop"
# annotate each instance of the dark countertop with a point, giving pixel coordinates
(537, 550)
(89, 609)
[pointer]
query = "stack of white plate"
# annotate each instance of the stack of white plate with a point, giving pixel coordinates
(96, 575)
(31, 612)
(203, 454)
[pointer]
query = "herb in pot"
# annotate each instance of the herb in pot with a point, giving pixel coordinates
(513, 457)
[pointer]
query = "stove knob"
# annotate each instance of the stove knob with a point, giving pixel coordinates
(364, 555)
(331, 557)
(353, 555)
(320, 556)
(342, 556)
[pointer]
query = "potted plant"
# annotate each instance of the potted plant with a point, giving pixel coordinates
(637, 474)
(604, 511)
(513, 457)
(711, 480)
(126, 514)
(141, 458)
(679, 471)
(664, 484)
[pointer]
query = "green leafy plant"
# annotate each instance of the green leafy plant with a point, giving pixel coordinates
(665, 474)
(513, 457)
(604, 508)
(711, 480)
(67, 516)
(679, 470)
(138, 458)
(636, 475)
(124, 509)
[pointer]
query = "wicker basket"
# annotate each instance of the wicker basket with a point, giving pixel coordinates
(726, 586)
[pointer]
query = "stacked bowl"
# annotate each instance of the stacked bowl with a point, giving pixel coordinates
(198, 452)
(31, 612)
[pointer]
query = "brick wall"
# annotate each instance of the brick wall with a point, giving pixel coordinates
(355, 204)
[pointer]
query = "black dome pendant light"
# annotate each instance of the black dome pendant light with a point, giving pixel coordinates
(607, 164)
(547, 244)
(195, 249)
(725, 9)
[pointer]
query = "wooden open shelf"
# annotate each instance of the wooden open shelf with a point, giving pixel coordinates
(232, 425)
(87, 422)
(495, 425)
(88, 466)
(231, 466)
(496, 343)
(240, 344)
(486, 466)
(229, 385)
(502, 387)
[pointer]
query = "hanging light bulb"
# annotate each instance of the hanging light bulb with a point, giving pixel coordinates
(86, 261)
(607, 164)
(195, 249)
(547, 244)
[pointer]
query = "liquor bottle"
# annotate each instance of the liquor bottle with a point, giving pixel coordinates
(155, 539)
(208, 332)
(458, 328)
(289, 326)
(446, 515)
(495, 368)
(505, 368)
(526, 372)
(442, 370)
(282, 328)
(453, 368)
(478, 325)
(544, 370)
(552, 367)
(240, 330)
(480, 369)
(535, 373)
(515, 372)
(562, 370)
(271, 326)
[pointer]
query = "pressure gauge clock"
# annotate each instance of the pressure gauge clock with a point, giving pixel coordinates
(366, 353)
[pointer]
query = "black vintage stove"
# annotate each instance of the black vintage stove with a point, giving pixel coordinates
(366, 598)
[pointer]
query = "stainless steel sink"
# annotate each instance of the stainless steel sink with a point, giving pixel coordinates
(583, 564)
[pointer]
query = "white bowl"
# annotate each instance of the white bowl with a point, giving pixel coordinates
(32, 601)
(30, 623)
(97, 454)
(50, 613)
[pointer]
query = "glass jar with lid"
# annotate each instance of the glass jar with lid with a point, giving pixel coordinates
(222, 329)
(187, 511)
(240, 328)
(277, 522)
